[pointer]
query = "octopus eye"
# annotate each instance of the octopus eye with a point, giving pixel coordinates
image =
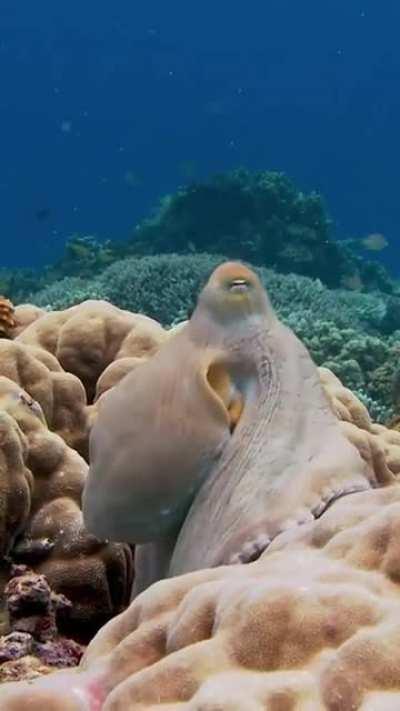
(238, 285)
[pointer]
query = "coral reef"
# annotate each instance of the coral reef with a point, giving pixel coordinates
(261, 217)
(344, 330)
(283, 581)
(164, 286)
(85, 339)
(45, 422)
(41, 520)
(367, 364)
(16, 483)
(24, 315)
(84, 256)
(313, 624)
(60, 396)
(257, 216)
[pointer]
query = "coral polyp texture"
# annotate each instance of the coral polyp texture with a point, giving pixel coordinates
(262, 499)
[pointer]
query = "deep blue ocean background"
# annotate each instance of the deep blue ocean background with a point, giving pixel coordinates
(106, 106)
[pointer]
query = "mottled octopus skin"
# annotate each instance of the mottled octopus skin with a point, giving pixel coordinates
(165, 408)
(230, 419)
(287, 458)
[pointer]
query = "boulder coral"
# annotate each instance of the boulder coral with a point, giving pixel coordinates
(60, 395)
(266, 506)
(45, 421)
(24, 315)
(16, 483)
(47, 530)
(313, 624)
(86, 338)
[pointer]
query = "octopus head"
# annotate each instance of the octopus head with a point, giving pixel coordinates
(233, 292)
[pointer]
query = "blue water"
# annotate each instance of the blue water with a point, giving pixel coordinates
(107, 106)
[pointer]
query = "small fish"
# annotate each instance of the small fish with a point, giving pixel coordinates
(66, 126)
(132, 179)
(42, 214)
(374, 242)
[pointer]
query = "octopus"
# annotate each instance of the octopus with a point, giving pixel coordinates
(220, 442)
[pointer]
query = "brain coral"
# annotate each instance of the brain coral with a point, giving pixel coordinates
(86, 338)
(24, 315)
(60, 395)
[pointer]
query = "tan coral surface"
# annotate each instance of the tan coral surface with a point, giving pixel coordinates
(60, 395)
(313, 624)
(86, 338)
(16, 483)
(42, 480)
(24, 315)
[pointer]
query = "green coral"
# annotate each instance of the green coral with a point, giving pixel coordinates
(258, 216)
(67, 292)
(163, 287)
(84, 256)
(340, 329)
(348, 371)
(261, 217)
